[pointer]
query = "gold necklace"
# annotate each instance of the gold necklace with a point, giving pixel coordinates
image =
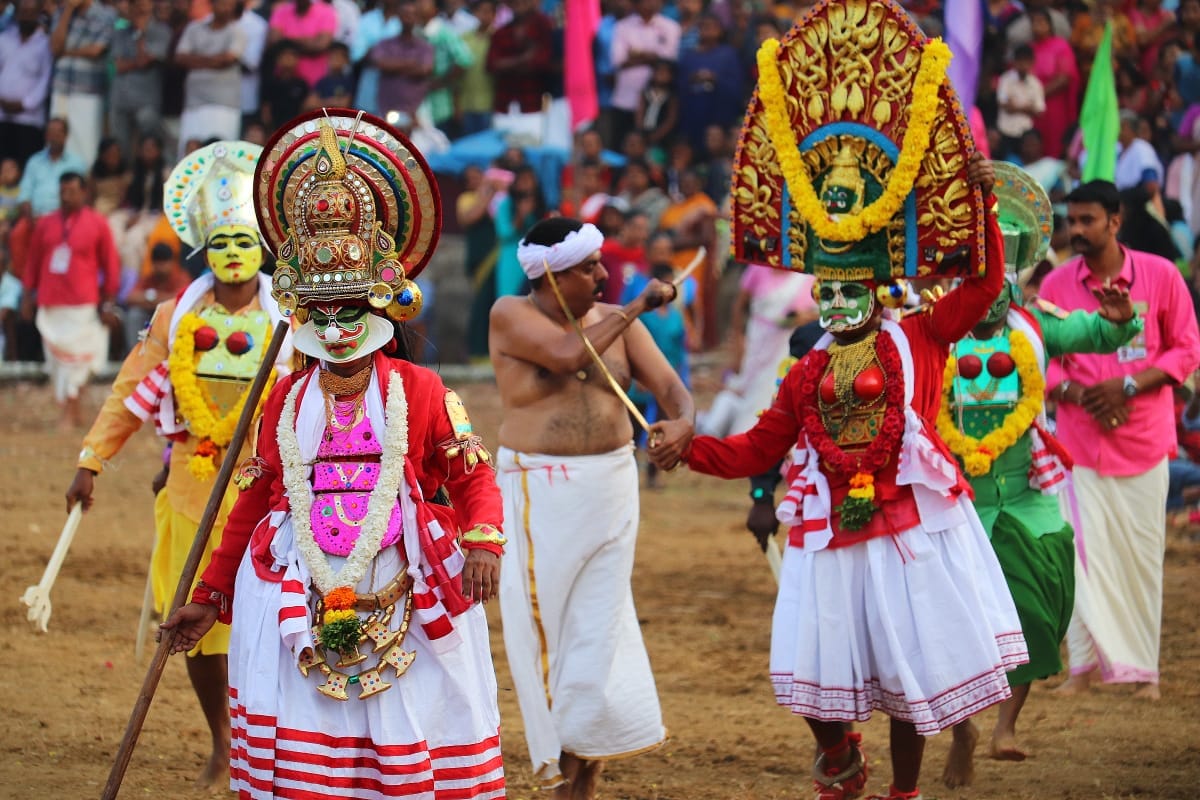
(847, 362)
(580, 374)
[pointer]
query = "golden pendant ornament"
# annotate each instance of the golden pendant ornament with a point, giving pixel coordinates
(399, 659)
(379, 295)
(335, 684)
(407, 303)
(371, 683)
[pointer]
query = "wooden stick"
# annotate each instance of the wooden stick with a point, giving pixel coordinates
(774, 557)
(690, 268)
(596, 359)
(154, 673)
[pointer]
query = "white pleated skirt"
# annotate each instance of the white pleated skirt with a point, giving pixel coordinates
(918, 625)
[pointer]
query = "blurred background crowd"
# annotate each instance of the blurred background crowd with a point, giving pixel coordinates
(116, 92)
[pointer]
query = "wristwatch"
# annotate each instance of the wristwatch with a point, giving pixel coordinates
(1129, 386)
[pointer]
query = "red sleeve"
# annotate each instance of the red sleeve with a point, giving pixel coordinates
(758, 449)
(544, 49)
(254, 502)
(110, 262)
(960, 310)
(472, 487)
(33, 258)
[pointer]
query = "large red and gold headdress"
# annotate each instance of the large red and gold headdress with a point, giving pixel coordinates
(852, 161)
(351, 211)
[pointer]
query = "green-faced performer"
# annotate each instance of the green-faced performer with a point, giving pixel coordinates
(993, 419)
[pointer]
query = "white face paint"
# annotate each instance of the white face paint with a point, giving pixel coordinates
(844, 306)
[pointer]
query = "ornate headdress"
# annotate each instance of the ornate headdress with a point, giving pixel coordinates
(351, 211)
(211, 187)
(1026, 218)
(852, 162)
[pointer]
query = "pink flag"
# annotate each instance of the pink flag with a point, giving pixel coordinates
(579, 80)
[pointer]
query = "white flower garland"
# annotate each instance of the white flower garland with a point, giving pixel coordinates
(379, 506)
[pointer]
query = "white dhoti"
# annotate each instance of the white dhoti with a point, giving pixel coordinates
(76, 343)
(574, 647)
(434, 735)
(1119, 575)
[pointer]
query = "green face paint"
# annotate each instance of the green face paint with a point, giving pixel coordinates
(844, 306)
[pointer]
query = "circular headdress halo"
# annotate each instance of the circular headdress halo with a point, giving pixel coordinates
(349, 207)
(1025, 213)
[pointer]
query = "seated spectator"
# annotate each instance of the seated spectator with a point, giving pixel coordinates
(585, 197)
(718, 168)
(284, 92)
(624, 256)
(641, 194)
(657, 111)
(1020, 99)
(337, 87)
(109, 178)
(405, 64)
(10, 189)
(141, 208)
(166, 280)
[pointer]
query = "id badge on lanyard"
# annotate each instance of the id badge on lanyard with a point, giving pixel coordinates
(60, 259)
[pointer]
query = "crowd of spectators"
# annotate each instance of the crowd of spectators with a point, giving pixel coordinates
(117, 91)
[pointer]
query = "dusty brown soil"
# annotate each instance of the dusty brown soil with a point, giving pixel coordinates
(704, 596)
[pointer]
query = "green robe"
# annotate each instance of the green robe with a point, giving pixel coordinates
(1034, 545)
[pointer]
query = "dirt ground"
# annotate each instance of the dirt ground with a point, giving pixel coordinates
(704, 597)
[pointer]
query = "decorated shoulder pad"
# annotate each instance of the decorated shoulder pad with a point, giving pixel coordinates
(1046, 307)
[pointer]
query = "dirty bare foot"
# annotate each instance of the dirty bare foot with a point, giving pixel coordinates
(216, 772)
(1005, 748)
(960, 763)
(1148, 691)
(1073, 685)
(586, 780)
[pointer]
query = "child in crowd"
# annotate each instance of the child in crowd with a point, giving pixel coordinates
(10, 188)
(337, 87)
(166, 279)
(658, 109)
(284, 92)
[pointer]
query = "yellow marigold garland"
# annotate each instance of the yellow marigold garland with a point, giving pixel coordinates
(194, 404)
(978, 455)
(852, 227)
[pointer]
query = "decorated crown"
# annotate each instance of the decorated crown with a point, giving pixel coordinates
(1026, 218)
(351, 211)
(852, 162)
(211, 187)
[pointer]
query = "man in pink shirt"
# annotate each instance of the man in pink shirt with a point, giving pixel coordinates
(310, 26)
(640, 40)
(1115, 416)
(72, 275)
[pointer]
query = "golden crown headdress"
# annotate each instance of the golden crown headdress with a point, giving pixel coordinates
(853, 156)
(351, 211)
(210, 187)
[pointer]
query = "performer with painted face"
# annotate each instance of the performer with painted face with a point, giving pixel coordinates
(190, 374)
(367, 532)
(993, 418)
(855, 163)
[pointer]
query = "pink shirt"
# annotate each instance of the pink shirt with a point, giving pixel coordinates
(1170, 342)
(321, 18)
(659, 36)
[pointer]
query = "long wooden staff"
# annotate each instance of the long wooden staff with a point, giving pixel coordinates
(154, 673)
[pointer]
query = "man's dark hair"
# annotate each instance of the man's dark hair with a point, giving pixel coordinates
(551, 231)
(1024, 52)
(162, 252)
(1102, 192)
(67, 177)
(340, 46)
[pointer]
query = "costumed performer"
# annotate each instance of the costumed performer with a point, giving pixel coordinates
(993, 419)
(190, 374)
(856, 164)
(570, 484)
(368, 526)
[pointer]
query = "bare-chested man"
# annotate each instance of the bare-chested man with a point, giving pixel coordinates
(570, 483)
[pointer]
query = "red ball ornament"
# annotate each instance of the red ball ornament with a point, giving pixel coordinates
(322, 205)
(239, 343)
(828, 390)
(869, 384)
(970, 367)
(205, 338)
(1001, 365)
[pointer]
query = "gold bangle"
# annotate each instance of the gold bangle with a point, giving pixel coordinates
(624, 316)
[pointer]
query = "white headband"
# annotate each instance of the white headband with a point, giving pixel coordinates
(572, 250)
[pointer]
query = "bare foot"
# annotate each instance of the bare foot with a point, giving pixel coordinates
(216, 772)
(1005, 748)
(586, 780)
(1149, 691)
(1075, 684)
(960, 763)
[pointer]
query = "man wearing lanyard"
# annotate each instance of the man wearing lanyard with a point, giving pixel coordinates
(72, 277)
(1115, 416)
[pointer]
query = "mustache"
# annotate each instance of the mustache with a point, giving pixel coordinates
(1079, 241)
(600, 287)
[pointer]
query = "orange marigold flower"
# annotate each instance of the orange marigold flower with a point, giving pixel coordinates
(343, 597)
(862, 480)
(206, 448)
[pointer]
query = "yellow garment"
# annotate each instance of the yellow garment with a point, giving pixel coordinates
(174, 534)
(115, 424)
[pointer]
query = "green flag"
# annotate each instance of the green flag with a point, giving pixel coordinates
(1099, 118)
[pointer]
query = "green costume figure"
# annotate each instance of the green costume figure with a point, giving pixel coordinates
(993, 419)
